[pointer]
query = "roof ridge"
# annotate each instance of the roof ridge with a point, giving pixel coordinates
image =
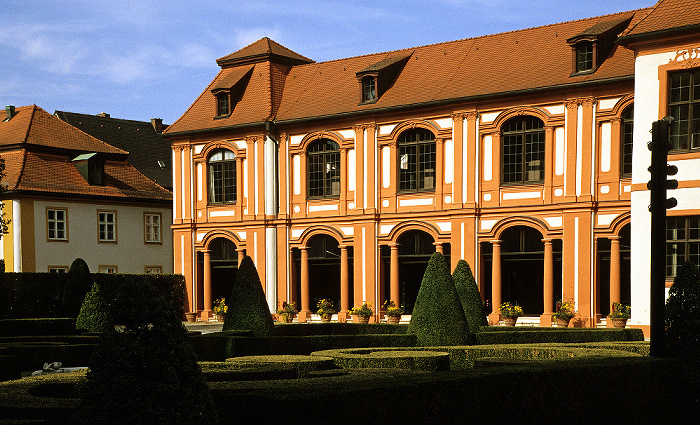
(649, 12)
(29, 123)
(99, 117)
(475, 38)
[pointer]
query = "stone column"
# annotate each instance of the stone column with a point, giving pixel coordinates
(394, 275)
(614, 269)
(305, 311)
(546, 318)
(494, 317)
(241, 255)
(208, 305)
(344, 284)
(438, 247)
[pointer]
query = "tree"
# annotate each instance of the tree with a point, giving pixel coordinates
(438, 317)
(78, 285)
(247, 306)
(94, 314)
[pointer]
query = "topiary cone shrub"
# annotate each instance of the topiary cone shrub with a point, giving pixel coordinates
(683, 323)
(469, 296)
(438, 317)
(145, 372)
(94, 314)
(247, 306)
(78, 284)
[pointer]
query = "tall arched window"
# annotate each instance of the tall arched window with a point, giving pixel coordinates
(523, 151)
(626, 127)
(222, 177)
(323, 169)
(416, 160)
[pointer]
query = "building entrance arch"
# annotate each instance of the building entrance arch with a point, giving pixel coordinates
(324, 266)
(223, 258)
(522, 268)
(614, 259)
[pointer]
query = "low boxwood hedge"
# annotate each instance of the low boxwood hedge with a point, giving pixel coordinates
(402, 359)
(228, 371)
(49, 398)
(303, 364)
(308, 329)
(40, 326)
(527, 335)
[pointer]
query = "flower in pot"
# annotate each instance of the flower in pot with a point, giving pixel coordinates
(619, 314)
(220, 308)
(510, 313)
(565, 311)
(287, 312)
(325, 309)
(363, 312)
(393, 313)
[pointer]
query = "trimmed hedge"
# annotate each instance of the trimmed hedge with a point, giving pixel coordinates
(228, 371)
(526, 335)
(218, 347)
(47, 398)
(308, 329)
(78, 285)
(469, 297)
(302, 364)
(31, 295)
(438, 317)
(94, 314)
(36, 327)
(430, 361)
(247, 306)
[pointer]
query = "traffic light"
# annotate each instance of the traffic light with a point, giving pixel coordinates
(659, 169)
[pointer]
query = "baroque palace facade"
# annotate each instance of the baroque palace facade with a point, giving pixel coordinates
(513, 151)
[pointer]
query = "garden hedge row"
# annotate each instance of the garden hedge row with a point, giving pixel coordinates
(36, 327)
(302, 364)
(639, 390)
(40, 295)
(308, 329)
(217, 347)
(524, 335)
(427, 360)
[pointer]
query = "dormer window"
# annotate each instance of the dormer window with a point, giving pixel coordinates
(92, 167)
(377, 78)
(369, 89)
(584, 56)
(229, 89)
(591, 47)
(223, 104)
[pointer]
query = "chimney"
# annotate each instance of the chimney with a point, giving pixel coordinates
(9, 112)
(157, 124)
(103, 115)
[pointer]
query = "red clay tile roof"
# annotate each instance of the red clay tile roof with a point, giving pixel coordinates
(38, 148)
(32, 125)
(40, 172)
(261, 49)
(469, 69)
(668, 15)
(232, 78)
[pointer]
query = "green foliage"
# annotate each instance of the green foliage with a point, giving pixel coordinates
(527, 335)
(94, 314)
(469, 296)
(146, 373)
(620, 311)
(364, 310)
(78, 285)
(32, 295)
(247, 306)
(683, 322)
(438, 317)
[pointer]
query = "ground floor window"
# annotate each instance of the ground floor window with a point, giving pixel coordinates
(682, 242)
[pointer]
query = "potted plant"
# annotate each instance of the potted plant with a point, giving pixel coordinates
(325, 309)
(619, 315)
(565, 311)
(393, 313)
(510, 313)
(363, 312)
(220, 309)
(287, 312)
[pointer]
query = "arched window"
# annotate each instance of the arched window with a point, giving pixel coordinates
(323, 169)
(222, 177)
(416, 160)
(523, 151)
(626, 127)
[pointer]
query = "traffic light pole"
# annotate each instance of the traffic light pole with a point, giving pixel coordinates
(658, 185)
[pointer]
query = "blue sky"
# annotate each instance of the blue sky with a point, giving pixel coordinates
(144, 59)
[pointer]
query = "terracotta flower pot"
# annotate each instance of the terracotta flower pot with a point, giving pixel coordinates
(362, 319)
(393, 319)
(326, 319)
(509, 321)
(191, 316)
(618, 322)
(562, 322)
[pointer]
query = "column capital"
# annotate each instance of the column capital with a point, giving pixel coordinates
(547, 241)
(394, 245)
(495, 242)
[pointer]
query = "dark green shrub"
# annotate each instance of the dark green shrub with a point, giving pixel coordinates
(469, 296)
(247, 306)
(77, 286)
(438, 317)
(146, 373)
(37, 327)
(94, 314)
(32, 295)
(683, 322)
(169, 285)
